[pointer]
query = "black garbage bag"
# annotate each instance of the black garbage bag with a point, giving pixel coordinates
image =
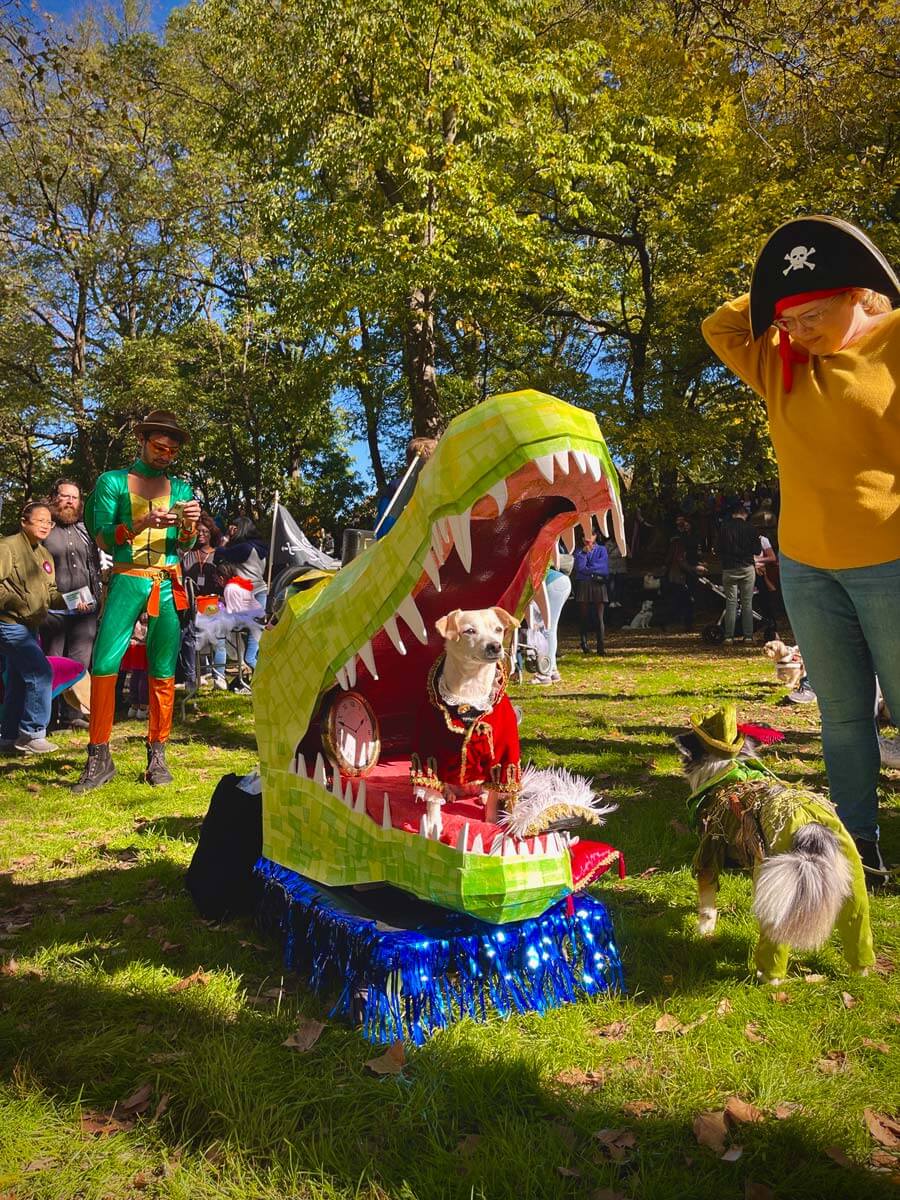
(220, 878)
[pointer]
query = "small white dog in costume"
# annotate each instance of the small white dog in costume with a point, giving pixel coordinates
(807, 873)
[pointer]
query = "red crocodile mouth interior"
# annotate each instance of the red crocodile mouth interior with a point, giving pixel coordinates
(509, 551)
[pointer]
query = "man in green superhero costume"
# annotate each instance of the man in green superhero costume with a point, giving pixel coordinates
(143, 517)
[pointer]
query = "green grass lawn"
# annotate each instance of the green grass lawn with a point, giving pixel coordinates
(96, 929)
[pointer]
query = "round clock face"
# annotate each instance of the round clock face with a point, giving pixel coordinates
(352, 738)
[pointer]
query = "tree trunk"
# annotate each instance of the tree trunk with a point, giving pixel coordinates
(418, 361)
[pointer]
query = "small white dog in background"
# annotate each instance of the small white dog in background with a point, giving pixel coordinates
(641, 619)
(789, 668)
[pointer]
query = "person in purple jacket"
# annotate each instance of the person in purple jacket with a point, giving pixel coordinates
(590, 572)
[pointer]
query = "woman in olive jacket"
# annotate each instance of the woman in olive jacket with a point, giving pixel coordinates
(27, 591)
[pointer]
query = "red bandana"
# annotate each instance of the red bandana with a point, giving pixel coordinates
(246, 584)
(788, 354)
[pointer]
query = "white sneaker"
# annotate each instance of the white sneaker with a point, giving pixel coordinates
(890, 752)
(803, 695)
(218, 682)
(132, 713)
(541, 679)
(29, 745)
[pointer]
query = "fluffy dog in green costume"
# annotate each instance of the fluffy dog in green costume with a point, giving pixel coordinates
(807, 873)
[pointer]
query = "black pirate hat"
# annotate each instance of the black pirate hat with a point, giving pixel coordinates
(815, 254)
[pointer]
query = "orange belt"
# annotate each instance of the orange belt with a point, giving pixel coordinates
(158, 574)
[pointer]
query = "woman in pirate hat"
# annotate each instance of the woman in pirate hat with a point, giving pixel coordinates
(818, 338)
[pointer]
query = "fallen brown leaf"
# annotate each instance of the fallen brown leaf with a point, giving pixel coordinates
(101, 1124)
(141, 1181)
(884, 965)
(138, 1101)
(882, 1047)
(587, 1081)
(616, 1143)
(884, 1161)
(710, 1130)
(814, 978)
(129, 919)
(752, 1034)
(162, 1106)
(613, 1032)
(783, 1111)
(565, 1133)
(568, 1172)
(732, 1154)
(848, 1001)
(757, 1191)
(632, 1064)
(198, 978)
(638, 1108)
(780, 997)
(834, 1062)
(647, 872)
(723, 1008)
(836, 1154)
(468, 1145)
(168, 947)
(389, 1063)
(741, 1112)
(668, 1023)
(43, 1163)
(884, 1129)
(306, 1035)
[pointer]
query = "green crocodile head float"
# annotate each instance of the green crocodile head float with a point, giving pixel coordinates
(350, 657)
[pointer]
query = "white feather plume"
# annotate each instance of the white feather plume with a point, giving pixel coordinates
(551, 794)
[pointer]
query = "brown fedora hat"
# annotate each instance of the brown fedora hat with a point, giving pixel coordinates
(161, 420)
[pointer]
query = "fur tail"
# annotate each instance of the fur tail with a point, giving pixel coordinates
(799, 893)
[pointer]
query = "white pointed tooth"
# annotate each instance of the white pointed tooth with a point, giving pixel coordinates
(350, 668)
(568, 537)
(619, 529)
(359, 804)
(509, 848)
(499, 495)
(580, 460)
(561, 458)
(348, 794)
(437, 826)
(336, 790)
(573, 841)
(437, 542)
(543, 602)
(423, 826)
(554, 846)
(342, 678)
(497, 844)
(462, 841)
(593, 465)
(524, 849)
(544, 463)
(386, 822)
(602, 519)
(413, 618)
(556, 556)
(319, 773)
(432, 570)
(461, 529)
(477, 845)
(367, 654)
(540, 846)
(300, 766)
(587, 526)
(390, 628)
(443, 524)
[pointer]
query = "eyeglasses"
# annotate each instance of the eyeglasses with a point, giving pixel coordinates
(806, 321)
(162, 448)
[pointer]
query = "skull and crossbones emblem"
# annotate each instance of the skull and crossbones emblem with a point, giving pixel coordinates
(799, 258)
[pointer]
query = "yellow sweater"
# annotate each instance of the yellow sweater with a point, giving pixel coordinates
(836, 436)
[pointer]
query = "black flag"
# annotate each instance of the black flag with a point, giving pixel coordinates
(292, 548)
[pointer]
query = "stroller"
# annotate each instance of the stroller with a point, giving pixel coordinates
(715, 633)
(531, 650)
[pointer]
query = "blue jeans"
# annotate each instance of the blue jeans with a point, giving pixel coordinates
(739, 580)
(847, 625)
(29, 684)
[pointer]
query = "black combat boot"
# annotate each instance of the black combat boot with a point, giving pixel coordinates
(601, 649)
(157, 772)
(98, 769)
(873, 864)
(585, 648)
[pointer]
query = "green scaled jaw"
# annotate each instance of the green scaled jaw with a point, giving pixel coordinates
(508, 479)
